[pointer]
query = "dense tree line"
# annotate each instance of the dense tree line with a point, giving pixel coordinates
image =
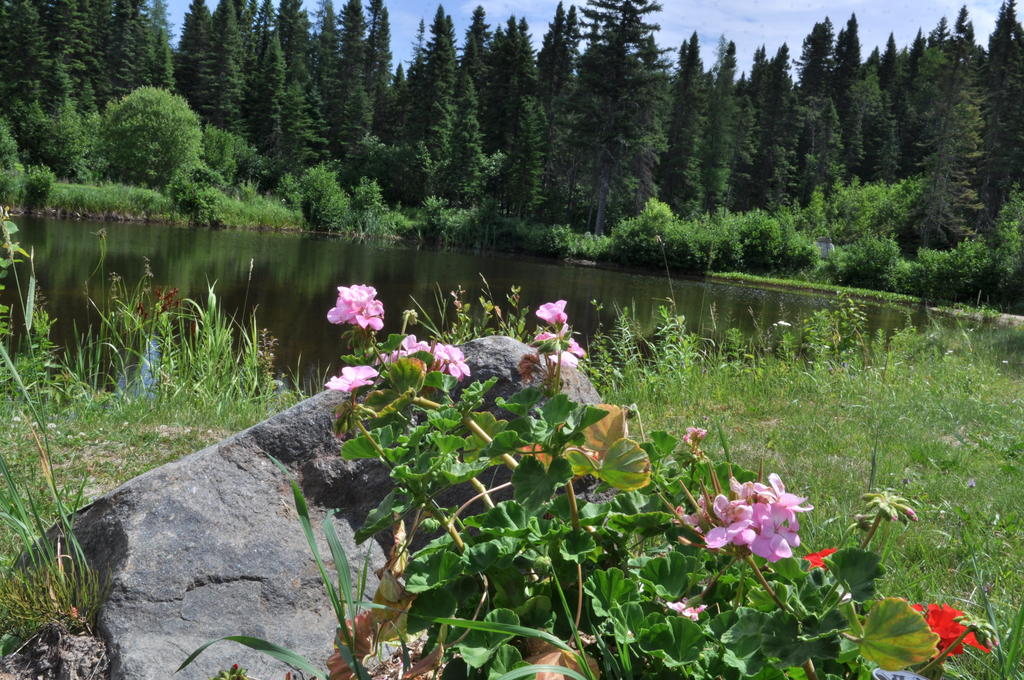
(583, 131)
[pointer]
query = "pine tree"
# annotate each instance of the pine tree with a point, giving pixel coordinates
(1003, 96)
(556, 88)
(720, 132)
(617, 89)
(525, 163)
(326, 76)
(844, 81)
(953, 141)
(817, 61)
(769, 175)
(193, 59)
(352, 35)
(475, 48)
(127, 70)
(227, 84)
(680, 168)
(160, 66)
(293, 33)
(436, 89)
(378, 60)
(465, 167)
(267, 94)
(511, 78)
(24, 67)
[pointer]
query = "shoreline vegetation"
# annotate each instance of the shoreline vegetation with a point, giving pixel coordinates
(121, 203)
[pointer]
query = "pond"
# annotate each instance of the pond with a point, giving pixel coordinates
(290, 281)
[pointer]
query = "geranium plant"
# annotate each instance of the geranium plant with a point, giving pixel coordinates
(671, 565)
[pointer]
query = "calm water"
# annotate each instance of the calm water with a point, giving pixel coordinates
(290, 281)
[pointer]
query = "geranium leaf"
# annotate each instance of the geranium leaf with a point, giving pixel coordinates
(480, 645)
(857, 570)
(534, 484)
(670, 575)
(612, 427)
(610, 590)
(407, 374)
(675, 640)
(896, 636)
(625, 466)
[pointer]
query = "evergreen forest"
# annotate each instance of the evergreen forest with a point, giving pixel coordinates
(902, 151)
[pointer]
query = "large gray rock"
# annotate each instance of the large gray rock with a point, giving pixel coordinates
(210, 545)
(502, 357)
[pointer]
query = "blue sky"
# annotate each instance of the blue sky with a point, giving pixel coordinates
(749, 23)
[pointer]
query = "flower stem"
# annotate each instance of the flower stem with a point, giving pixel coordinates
(934, 663)
(574, 511)
(809, 670)
(871, 531)
(484, 493)
(764, 584)
(471, 425)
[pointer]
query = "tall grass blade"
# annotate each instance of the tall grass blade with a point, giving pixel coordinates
(282, 654)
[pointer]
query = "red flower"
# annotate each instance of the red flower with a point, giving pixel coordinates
(817, 559)
(940, 620)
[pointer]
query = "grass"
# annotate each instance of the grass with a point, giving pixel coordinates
(937, 416)
(110, 202)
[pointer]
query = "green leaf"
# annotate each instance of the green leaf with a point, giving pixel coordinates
(358, 447)
(428, 606)
(610, 590)
(381, 517)
(386, 402)
(534, 484)
(557, 409)
(441, 381)
(645, 523)
(675, 640)
(670, 575)
(407, 374)
(428, 571)
(506, 658)
(576, 545)
(282, 654)
(522, 402)
(857, 570)
(624, 465)
(896, 636)
(480, 645)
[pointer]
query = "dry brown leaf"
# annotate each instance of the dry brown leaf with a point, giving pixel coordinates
(547, 654)
(610, 429)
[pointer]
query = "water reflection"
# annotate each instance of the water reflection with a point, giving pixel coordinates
(290, 281)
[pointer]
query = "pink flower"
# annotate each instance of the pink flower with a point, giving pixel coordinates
(689, 612)
(574, 348)
(694, 436)
(451, 360)
(357, 305)
(351, 378)
(735, 519)
(566, 358)
(776, 528)
(410, 345)
(553, 312)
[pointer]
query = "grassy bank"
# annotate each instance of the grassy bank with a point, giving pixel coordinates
(937, 416)
(120, 202)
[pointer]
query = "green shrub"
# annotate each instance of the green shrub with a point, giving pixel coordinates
(370, 215)
(447, 225)
(195, 197)
(289, 191)
(959, 274)
(228, 154)
(876, 209)
(10, 188)
(323, 202)
(641, 240)
(38, 184)
(8, 147)
(869, 262)
(148, 136)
